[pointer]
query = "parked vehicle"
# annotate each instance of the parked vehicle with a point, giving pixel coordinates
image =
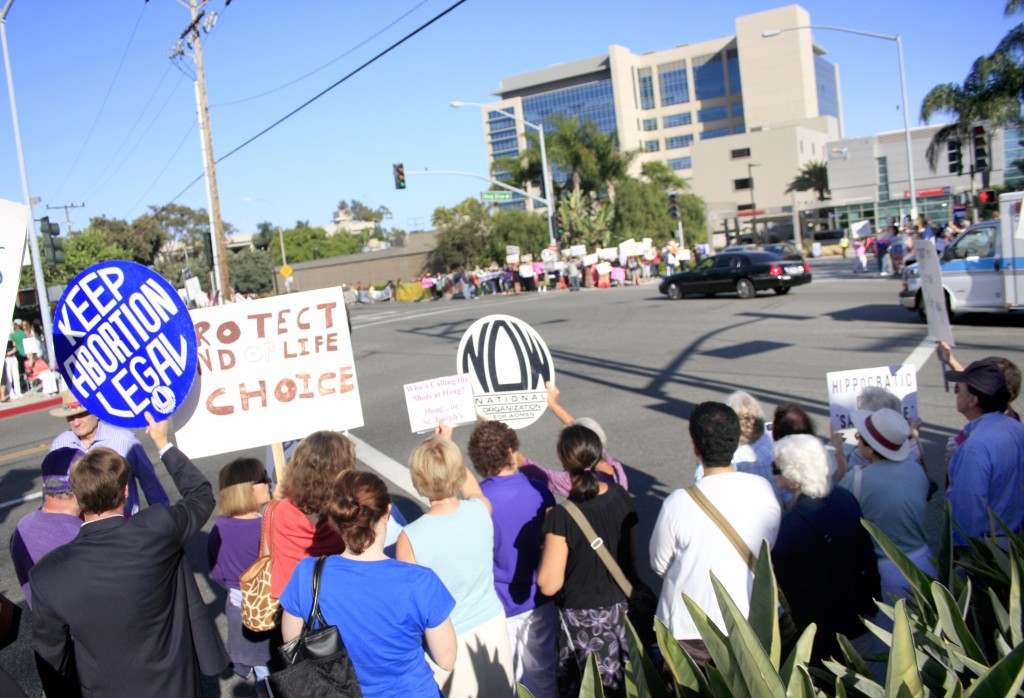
(786, 250)
(982, 269)
(744, 273)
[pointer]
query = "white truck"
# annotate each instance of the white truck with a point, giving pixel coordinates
(982, 268)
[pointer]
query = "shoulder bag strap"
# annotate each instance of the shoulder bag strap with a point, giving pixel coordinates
(723, 524)
(598, 546)
(314, 611)
(858, 476)
(268, 515)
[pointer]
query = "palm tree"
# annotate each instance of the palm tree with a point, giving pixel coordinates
(612, 164)
(660, 174)
(526, 169)
(568, 148)
(812, 176)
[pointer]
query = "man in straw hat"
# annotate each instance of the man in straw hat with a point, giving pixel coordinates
(987, 471)
(86, 431)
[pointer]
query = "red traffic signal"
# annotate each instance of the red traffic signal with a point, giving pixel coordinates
(987, 196)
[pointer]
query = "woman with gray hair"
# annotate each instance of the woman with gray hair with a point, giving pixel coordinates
(823, 557)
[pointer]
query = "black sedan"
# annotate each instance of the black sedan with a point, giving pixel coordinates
(746, 273)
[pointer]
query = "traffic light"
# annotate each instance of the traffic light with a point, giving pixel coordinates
(955, 157)
(987, 196)
(673, 206)
(980, 149)
(398, 169)
(53, 245)
(559, 227)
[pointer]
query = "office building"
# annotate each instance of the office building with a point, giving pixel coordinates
(736, 117)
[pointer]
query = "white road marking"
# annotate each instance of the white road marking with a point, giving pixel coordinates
(442, 311)
(21, 500)
(386, 467)
(924, 351)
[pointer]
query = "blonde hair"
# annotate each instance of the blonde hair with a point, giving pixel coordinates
(237, 500)
(751, 415)
(437, 468)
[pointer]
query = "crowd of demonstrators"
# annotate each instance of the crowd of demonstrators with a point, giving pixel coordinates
(501, 581)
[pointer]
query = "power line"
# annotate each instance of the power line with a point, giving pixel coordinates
(328, 63)
(99, 113)
(305, 104)
(164, 169)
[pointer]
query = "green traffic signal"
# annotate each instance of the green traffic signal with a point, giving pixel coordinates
(398, 170)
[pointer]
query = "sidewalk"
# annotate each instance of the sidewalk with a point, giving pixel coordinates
(29, 402)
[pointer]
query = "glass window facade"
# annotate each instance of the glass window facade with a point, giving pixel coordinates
(591, 102)
(713, 114)
(675, 85)
(651, 146)
(709, 77)
(504, 147)
(680, 163)
(883, 179)
(678, 142)
(739, 129)
(674, 120)
(744, 183)
(737, 110)
(714, 133)
(500, 124)
(502, 134)
(732, 65)
(828, 91)
(650, 124)
(1013, 153)
(646, 88)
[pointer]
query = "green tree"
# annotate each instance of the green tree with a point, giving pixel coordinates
(265, 236)
(812, 177)
(526, 169)
(527, 231)
(462, 238)
(362, 212)
(83, 249)
(660, 174)
(641, 210)
(251, 271)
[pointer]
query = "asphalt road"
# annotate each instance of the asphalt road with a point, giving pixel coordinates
(629, 358)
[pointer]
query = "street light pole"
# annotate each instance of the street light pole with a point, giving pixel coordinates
(543, 158)
(903, 90)
(753, 206)
(33, 243)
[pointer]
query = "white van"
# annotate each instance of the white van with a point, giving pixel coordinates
(982, 269)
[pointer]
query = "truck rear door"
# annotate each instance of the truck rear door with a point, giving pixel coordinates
(1012, 254)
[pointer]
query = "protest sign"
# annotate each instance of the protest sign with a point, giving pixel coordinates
(270, 370)
(604, 268)
(526, 259)
(124, 343)
(511, 259)
(14, 220)
(845, 388)
(548, 255)
(578, 250)
(630, 248)
(508, 363)
(512, 250)
(932, 293)
(608, 253)
(448, 399)
(590, 260)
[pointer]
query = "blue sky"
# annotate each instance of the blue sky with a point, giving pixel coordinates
(121, 144)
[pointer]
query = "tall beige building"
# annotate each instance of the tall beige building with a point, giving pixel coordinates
(736, 117)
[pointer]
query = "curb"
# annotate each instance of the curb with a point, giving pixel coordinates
(29, 407)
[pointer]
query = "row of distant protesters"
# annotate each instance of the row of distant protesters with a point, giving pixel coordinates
(24, 361)
(499, 583)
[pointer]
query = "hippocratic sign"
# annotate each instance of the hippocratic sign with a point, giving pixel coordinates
(845, 389)
(508, 363)
(125, 343)
(270, 370)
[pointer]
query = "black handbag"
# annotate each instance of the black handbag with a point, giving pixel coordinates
(317, 662)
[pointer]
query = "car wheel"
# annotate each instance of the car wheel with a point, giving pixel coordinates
(782, 290)
(923, 314)
(745, 288)
(674, 292)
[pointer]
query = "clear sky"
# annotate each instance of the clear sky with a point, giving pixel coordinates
(121, 144)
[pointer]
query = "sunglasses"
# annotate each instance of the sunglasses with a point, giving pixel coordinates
(263, 479)
(776, 470)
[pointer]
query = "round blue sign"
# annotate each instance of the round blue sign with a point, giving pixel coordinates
(125, 343)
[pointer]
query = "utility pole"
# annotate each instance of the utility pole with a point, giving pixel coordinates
(193, 41)
(67, 216)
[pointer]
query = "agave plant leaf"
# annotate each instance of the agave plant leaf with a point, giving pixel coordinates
(903, 680)
(953, 626)
(719, 647)
(1003, 679)
(801, 686)
(840, 688)
(944, 560)
(752, 659)
(955, 691)
(523, 692)
(852, 656)
(764, 605)
(920, 583)
(863, 685)
(1002, 616)
(1016, 577)
(801, 654)
(999, 557)
(1002, 646)
(1014, 540)
(682, 666)
(963, 602)
(591, 686)
(718, 683)
(640, 670)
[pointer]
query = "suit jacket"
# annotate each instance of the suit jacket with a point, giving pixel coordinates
(119, 606)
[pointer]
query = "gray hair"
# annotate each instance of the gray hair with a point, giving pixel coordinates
(802, 458)
(751, 415)
(874, 398)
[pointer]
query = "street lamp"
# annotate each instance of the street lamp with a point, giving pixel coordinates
(903, 87)
(543, 156)
(753, 206)
(280, 237)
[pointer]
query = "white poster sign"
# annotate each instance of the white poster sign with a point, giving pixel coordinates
(526, 259)
(548, 255)
(512, 249)
(590, 260)
(931, 292)
(195, 291)
(13, 224)
(508, 363)
(511, 259)
(271, 370)
(608, 253)
(604, 268)
(845, 388)
(860, 229)
(578, 250)
(630, 248)
(448, 399)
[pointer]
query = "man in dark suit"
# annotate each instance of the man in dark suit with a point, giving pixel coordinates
(117, 610)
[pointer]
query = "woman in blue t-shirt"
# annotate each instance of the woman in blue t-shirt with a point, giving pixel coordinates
(383, 608)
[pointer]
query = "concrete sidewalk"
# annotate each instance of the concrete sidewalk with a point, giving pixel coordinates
(29, 402)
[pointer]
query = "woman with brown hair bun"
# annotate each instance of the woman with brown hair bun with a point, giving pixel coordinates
(383, 609)
(298, 523)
